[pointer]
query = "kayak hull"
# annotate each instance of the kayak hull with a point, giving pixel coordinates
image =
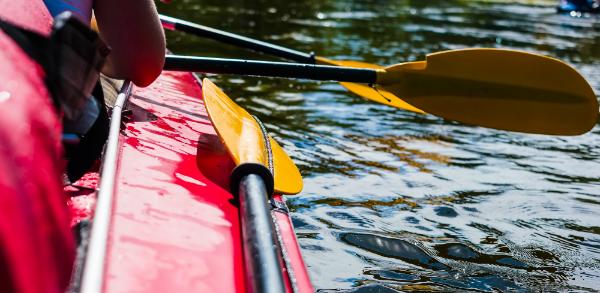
(172, 229)
(175, 225)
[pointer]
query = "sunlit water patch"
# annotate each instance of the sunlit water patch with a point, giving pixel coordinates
(396, 201)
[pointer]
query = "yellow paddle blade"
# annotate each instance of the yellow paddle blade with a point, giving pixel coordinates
(243, 138)
(495, 88)
(366, 91)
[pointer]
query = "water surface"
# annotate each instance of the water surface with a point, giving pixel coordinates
(396, 201)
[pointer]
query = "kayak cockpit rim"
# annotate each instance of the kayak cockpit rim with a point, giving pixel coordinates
(92, 280)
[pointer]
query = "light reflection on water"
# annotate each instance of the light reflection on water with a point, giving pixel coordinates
(400, 201)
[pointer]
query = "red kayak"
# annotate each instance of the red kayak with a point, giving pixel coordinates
(163, 218)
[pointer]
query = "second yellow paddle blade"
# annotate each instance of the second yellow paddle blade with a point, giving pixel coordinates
(243, 138)
(367, 92)
(496, 88)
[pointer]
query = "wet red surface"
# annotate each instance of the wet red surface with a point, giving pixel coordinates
(175, 226)
(173, 229)
(82, 196)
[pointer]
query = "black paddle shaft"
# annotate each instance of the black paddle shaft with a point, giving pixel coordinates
(270, 69)
(261, 250)
(236, 40)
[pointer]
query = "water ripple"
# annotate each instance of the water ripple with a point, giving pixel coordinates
(400, 202)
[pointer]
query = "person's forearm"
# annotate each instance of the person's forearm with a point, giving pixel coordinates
(133, 31)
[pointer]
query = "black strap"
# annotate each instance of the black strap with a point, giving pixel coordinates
(72, 57)
(83, 155)
(32, 43)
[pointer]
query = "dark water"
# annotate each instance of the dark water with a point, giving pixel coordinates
(400, 201)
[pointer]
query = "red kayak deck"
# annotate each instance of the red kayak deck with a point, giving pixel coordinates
(172, 228)
(175, 226)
